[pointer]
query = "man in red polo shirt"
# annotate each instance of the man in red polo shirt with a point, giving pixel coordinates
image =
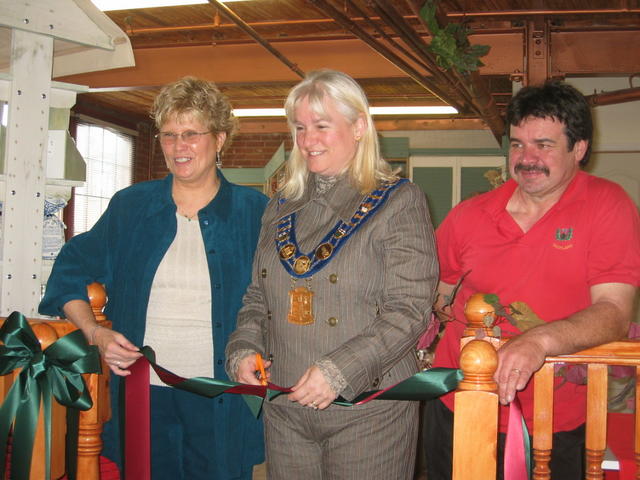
(564, 242)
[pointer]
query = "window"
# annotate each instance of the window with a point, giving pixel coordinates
(109, 154)
(448, 180)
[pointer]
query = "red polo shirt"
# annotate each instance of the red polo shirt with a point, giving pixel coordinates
(591, 236)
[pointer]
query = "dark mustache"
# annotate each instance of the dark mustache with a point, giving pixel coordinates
(531, 168)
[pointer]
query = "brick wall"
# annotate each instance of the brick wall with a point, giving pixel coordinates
(254, 150)
(248, 151)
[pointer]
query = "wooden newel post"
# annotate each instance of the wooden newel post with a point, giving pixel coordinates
(90, 429)
(475, 426)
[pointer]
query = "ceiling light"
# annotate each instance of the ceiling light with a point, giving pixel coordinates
(412, 110)
(425, 110)
(106, 5)
(259, 112)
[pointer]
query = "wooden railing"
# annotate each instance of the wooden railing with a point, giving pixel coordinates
(91, 421)
(476, 405)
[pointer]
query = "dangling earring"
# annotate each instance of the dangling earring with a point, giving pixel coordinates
(218, 160)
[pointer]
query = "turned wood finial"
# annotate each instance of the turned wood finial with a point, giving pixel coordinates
(44, 332)
(476, 310)
(478, 361)
(97, 299)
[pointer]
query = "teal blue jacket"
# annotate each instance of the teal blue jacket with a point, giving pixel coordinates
(123, 251)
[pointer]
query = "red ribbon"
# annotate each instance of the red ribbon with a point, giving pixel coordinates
(137, 450)
(137, 462)
(515, 457)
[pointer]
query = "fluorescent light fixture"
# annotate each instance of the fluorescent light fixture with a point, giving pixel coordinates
(106, 5)
(259, 112)
(412, 110)
(279, 112)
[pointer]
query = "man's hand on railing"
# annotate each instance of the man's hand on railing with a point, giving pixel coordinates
(518, 360)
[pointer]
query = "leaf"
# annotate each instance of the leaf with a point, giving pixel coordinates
(428, 14)
(450, 44)
(525, 318)
(492, 299)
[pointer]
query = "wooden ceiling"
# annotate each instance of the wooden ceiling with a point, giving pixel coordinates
(255, 50)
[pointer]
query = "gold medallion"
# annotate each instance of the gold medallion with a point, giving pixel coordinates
(300, 306)
(287, 251)
(324, 251)
(301, 265)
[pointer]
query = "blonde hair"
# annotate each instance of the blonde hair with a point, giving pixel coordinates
(199, 99)
(368, 168)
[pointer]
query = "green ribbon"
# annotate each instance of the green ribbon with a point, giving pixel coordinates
(423, 385)
(56, 371)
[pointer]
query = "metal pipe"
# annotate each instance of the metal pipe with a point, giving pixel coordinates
(614, 97)
(230, 14)
(212, 26)
(529, 13)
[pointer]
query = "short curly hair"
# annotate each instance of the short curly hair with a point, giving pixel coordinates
(201, 99)
(559, 101)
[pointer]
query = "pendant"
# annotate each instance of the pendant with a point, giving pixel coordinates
(300, 306)
(324, 251)
(301, 265)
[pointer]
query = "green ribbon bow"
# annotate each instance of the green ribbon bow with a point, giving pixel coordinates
(54, 371)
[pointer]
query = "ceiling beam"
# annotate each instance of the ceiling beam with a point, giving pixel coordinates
(537, 52)
(572, 53)
(422, 79)
(277, 125)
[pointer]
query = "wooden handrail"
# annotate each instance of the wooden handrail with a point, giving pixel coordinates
(476, 401)
(91, 421)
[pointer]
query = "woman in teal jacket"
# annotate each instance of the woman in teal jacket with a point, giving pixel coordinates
(175, 257)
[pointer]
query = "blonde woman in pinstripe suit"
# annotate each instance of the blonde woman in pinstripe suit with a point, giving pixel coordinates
(343, 283)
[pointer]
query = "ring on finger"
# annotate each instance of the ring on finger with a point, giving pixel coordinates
(313, 405)
(516, 371)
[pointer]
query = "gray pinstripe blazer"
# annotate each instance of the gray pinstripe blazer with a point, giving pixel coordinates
(371, 301)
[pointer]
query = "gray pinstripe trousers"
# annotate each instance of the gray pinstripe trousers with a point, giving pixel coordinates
(342, 443)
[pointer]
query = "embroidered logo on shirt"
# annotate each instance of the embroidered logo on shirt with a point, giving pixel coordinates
(564, 235)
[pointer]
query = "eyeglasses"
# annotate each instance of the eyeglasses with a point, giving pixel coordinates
(188, 136)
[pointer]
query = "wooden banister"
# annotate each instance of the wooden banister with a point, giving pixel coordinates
(476, 411)
(90, 422)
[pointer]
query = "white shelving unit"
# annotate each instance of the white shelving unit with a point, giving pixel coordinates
(40, 40)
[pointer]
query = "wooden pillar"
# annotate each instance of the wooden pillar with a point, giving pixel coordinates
(596, 437)
(543, 421)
